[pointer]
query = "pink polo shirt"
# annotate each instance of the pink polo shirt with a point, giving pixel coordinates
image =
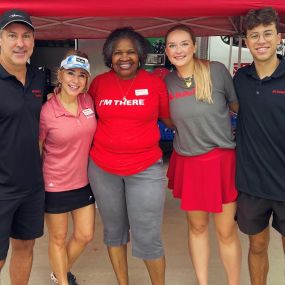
(66, 143)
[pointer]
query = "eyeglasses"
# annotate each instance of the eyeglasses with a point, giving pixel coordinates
(267, 35)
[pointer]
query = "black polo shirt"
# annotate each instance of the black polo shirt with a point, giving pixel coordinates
(20, 106)
(261, 133)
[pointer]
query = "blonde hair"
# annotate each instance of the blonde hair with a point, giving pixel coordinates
(202, 75)
(203, 82)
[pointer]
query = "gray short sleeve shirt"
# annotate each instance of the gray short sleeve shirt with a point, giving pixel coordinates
(200, 126)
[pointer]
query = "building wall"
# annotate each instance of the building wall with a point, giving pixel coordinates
(94, 50)
(50, 57)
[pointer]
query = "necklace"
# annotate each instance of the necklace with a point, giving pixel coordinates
(125, 93)
(187, 80)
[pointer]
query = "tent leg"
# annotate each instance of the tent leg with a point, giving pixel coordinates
(230, 54)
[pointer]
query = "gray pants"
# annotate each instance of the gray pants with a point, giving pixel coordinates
(132, 204)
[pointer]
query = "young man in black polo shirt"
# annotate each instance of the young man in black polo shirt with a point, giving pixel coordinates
(260, 139)
(21, 183)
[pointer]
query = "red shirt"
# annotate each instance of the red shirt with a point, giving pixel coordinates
(127, 136)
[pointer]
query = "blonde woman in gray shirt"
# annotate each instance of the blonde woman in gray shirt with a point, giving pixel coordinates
(202, 167)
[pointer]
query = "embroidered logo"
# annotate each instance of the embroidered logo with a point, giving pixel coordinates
(177, 95)
(37, 93)
(278, 92)
(15, 15)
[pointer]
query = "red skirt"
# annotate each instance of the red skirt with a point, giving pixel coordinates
(203, 182)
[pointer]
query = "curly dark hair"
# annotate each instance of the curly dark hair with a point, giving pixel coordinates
(264, 16)
(140, 43)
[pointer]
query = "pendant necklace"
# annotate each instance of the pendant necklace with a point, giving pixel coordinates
(187, 80)
(125, 94)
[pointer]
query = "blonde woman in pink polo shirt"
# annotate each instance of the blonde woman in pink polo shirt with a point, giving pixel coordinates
(67, 126)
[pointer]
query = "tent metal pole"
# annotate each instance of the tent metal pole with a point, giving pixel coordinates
(239, 50)
(230, 54)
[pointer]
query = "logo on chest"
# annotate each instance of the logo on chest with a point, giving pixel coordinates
(37, 93)
(282, 92)
(123, 102)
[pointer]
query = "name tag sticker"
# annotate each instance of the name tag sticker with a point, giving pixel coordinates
(88, 112)
(141, 92)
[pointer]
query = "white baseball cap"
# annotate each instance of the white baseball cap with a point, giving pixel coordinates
(74, 61)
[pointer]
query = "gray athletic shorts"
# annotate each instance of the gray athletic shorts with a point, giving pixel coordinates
(131, 204)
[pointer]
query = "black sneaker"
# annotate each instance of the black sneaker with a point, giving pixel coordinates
(71, 279)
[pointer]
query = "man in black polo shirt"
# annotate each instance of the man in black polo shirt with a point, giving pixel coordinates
(21, 182)
(260, 139)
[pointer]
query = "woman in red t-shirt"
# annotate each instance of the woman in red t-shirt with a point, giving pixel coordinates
(125, 170)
